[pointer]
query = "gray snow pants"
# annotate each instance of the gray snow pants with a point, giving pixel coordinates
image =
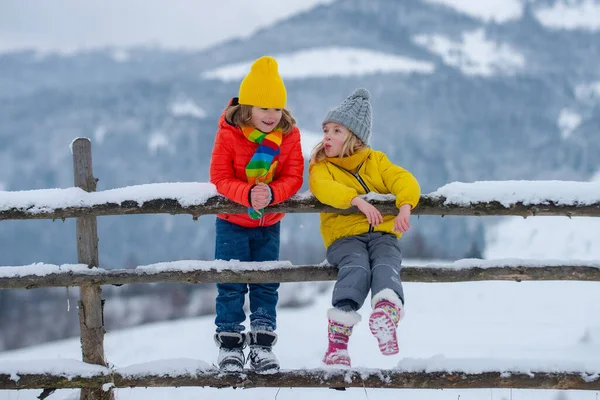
(370, 261)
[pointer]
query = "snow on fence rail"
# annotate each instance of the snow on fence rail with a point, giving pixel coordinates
(517, 198)
(468, 270)
(96, 380)
(410, 373)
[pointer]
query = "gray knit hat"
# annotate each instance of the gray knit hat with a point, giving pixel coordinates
(354, 113)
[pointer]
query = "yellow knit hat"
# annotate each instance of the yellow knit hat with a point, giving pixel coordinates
(263, 87)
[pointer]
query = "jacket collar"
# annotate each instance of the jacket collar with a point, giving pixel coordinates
(353, 162)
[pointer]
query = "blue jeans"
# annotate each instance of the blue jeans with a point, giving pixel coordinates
(234, 242)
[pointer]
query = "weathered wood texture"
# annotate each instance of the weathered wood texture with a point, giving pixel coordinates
(321, 378)
(301, 273)
(91, 319)
(215, 205)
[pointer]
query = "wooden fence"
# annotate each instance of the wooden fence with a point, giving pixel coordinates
(99, 382)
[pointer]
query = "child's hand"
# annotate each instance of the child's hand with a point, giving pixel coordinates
(402, 220)
(260, 196)
(373, 215)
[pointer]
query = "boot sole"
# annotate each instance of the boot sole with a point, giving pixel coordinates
(338, 361)
(338, 365)
(269, 368)
(231, 366)
(230, 369)
(383, 328)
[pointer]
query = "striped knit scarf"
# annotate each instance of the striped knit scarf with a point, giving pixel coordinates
(263, 163)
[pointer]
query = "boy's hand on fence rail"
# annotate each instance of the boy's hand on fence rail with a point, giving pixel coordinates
(260, 195)
(402, 220)
(373, 215)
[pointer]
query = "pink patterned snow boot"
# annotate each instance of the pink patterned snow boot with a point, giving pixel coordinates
(338, 333)
(387, 312)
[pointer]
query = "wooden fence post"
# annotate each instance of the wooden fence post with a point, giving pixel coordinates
(91, 320)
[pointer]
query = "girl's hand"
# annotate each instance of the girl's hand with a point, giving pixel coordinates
(402, 220)
(373, 215)
(260, 196)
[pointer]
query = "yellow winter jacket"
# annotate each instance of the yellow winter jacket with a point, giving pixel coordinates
(335, 182)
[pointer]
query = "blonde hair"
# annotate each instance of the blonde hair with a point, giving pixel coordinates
(351, 144)
(241, 115)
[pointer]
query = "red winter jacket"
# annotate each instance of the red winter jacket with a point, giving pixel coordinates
(232, 152)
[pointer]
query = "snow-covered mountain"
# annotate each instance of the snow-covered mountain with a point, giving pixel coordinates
(460, 93)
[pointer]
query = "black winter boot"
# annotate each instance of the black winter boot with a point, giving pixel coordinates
(261, 357)
(231, 351)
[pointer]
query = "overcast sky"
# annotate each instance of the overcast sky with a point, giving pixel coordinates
(67, 25)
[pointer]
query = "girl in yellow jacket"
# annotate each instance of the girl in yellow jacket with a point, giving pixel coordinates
(364, 246)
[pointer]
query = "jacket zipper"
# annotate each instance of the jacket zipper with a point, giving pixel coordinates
(360, 180)
(362, 183)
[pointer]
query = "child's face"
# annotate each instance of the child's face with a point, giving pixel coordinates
(335, 135)
(266, 119)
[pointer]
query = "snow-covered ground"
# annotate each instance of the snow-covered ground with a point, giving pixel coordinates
(545, 324)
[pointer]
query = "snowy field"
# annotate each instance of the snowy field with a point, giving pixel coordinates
(479, 325)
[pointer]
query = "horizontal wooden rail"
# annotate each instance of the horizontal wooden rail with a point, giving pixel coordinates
(315, 378)
(36, 276)
(429, 205)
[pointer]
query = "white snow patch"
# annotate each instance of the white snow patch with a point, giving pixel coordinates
(175, 367)
(309, 141)
(508, 193)
(475, 54)
(47, 200)
(568, 121)
(184, 266)
(157, 141)
(196, 193)
(187, 108)
(218, 265)
(327, 62)
(41, 269)
(508, 262)
(488, 10)
(64, 367)
(74, 140)
(583, 14)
